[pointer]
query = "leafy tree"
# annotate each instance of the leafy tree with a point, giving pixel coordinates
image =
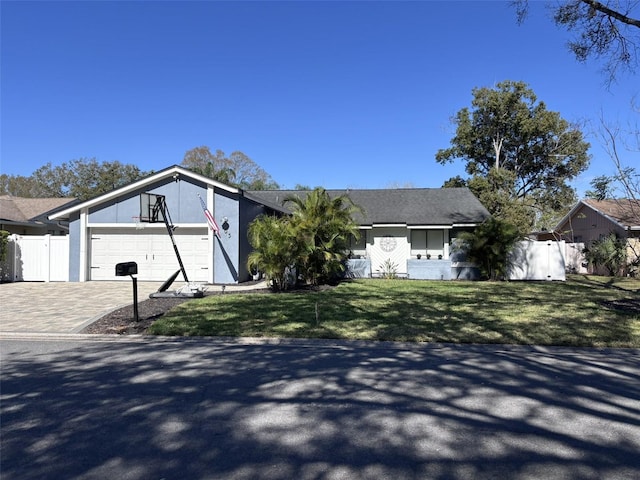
(609, 252)
(489, 245)
(323, 227)
(81, 178)
(237, 169)
(519, 155)
(609, 29)
(455, 182)
(602, 188)
(274, 248)
(21, 186)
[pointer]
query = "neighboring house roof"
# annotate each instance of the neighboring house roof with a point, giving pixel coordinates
(174, 171)
(623, 212)
(28, 211)
(410, 206)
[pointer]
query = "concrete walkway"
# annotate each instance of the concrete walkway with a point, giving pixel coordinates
(60, 307)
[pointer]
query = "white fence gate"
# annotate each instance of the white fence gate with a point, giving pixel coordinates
(37, 258)
(531, 260)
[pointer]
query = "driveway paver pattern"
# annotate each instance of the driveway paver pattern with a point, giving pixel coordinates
(61, 307)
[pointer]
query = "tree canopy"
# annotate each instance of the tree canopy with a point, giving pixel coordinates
(81, 178)
(519, 156)
(609, 30)
(237, 169)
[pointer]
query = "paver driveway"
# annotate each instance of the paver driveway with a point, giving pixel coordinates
(60, 307)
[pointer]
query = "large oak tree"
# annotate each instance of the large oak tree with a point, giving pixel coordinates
(519, 155)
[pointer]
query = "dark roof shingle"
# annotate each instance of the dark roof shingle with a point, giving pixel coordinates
(411, 206)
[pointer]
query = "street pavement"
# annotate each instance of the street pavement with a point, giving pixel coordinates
(82, 407)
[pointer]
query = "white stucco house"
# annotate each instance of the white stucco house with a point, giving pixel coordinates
(405, 226)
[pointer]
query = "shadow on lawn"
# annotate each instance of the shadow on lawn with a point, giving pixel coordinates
(561, 314)
(221, 410)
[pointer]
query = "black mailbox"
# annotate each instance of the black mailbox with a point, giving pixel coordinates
(126, 268)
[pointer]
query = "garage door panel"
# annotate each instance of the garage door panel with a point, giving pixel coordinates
(152, 251)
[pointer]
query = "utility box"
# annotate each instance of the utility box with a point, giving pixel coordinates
(126, 268)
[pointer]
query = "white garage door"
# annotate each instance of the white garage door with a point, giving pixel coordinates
(152, 250)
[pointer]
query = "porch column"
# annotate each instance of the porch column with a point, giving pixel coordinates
(446, 245)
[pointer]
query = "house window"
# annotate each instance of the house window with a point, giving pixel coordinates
(435, 243)
(418, 242)
(358, 248)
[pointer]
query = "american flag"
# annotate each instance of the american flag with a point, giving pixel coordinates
(210, 220)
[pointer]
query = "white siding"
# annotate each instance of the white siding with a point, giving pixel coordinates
(389, 243)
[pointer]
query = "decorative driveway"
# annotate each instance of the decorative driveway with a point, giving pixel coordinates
(61, 307)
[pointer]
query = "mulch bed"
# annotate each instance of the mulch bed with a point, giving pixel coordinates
(121, 321)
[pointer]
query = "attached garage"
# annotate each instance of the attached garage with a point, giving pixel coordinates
(106, 230)
(152, 250)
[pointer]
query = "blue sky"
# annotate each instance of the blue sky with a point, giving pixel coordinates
(338, 94)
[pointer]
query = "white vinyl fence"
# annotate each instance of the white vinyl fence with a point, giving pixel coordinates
(36, 258)
(531, 260)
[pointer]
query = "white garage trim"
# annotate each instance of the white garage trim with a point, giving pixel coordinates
(84, 244)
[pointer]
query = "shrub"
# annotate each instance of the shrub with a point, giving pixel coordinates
(609, 252)
(489, 245)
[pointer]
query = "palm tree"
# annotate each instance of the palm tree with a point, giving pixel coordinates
(489, 245)
(275, 249)
(323, 227)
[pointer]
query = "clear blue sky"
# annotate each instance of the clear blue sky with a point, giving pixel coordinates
(338, 94)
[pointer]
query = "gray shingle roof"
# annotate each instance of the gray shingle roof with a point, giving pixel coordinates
(413, 206)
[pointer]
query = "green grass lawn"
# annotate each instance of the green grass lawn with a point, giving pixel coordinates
(540, 313)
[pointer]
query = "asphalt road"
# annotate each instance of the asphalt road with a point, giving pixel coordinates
(214, 409)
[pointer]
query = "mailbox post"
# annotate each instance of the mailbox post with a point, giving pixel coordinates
(131, 269)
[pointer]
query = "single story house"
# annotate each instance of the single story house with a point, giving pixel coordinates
(411, 230)
(591, 220)
(28, 216)
(408, 227)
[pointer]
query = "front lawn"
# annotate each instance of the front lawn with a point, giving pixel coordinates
(579, 312)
